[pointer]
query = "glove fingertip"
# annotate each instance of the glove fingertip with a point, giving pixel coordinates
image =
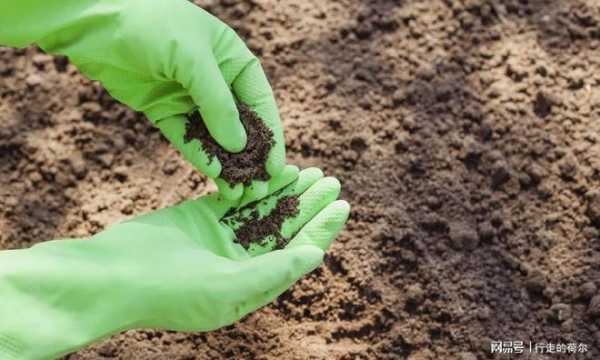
(324, 227)
(210, 167)
(302, 259)
(276, 160)
(229, 192)
(236, 138)
(310, 256)
(256, 191)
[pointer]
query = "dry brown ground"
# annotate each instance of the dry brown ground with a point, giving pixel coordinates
(465, 134)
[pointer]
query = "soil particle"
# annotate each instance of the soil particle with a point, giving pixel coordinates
(501, 175)
(434, 223)
(414, 295)
(127, 207)
(593, 208)
(484, 313)
(560, 312)
(567, 325)
(594, 306)
(588, 290)
(568, 167)
(61, 63)
(535, 172)
(78, 166)
(590, 232)
(463, 237)
(256, 229)
(486, 231)
(242, 167)
(121, 173)
(576, 79)
(473, 156)
(467, 356)
(170, 167)
(497, 219)
(424, 354)
(34, 80)
(545, 191)
(542, 106)
(106, 159)
(535, 282)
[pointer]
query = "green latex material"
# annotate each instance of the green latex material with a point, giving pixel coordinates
(165, 58)
(177, 268)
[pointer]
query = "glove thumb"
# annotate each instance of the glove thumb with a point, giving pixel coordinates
(269, 275)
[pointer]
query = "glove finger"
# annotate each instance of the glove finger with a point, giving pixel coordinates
(313, 193)
(208, 89)
(324, 227)
(252, 87)
(265, 277)
(311, 202)
(256, 191)
(229, 192)
(218, 205)
(283, 179)
(244, 73)
(289, 174)
(174, 129)
(306, 178)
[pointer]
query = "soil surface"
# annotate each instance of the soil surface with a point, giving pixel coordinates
(257, 230)
(465, 134)
(245, 166)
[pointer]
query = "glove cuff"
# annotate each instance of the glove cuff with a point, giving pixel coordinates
(11, 349)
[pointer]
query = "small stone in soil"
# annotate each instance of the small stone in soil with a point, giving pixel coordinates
(542, 106)
(560, 312)
(568, 167)
(467, 356)
(594, 306)
(500, 176)
(463, 237)
(486, 231)
(593, 209)
(588, 290)
(535, 282)
(414, 294)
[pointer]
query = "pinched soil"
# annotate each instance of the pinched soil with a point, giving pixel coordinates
(465, 134)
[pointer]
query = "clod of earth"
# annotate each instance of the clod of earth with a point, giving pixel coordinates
(593, 208)
(242, 167)
(257, 230)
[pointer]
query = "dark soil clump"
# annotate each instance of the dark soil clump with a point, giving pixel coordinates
(256, 229)
(440, 111)
(242, 167)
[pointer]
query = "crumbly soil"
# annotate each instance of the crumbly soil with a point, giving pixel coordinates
(256, 229)
(245, 166)
(466, 135)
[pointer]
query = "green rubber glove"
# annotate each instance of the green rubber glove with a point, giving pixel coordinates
(165, 58)
(178, 268)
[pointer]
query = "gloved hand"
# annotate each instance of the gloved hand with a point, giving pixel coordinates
(165, 58)
(178, 268)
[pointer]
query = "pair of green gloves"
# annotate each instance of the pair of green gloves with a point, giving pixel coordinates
(178, 268)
